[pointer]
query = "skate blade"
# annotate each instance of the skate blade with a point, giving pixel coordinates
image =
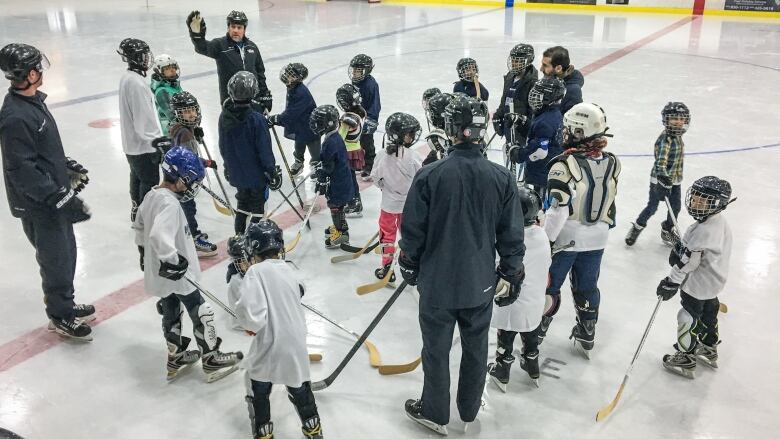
(577, 347)
(222, 373)
(707, 362)
(355, 215)
(441, 429)
(535, 382)
(690, 374)
(65, 335)
(171, 376)
(501, 386)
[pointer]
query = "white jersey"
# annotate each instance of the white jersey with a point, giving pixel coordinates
(232, 295)
(394, 174)
(161, 229)
(137, 114)
(706, 258)
(526, 313)
(269, 304)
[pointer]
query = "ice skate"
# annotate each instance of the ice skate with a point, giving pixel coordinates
(413, 409)
(546, 320)
(218, 365)
(707, 354)
(681, 363)
(530, 364)
(499, 371)
(266, 431)
(584, 334)
(84, 313)
(179, 358)
(296, 168)
(633, 234)
(365, 175)
(312, 429)
(354, 209)
(330, 229)
(381, 272)
(204, 248)
(336, 238)
(74, 328)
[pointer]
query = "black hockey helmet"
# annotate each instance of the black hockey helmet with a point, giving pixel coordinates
(436, 106)
(235, 249)
(348, 97)
(137, 54)
(237, 17)
(531, 203)
(465, 118)
(547, 91)
(467, 69)
(17, 60)
(263, 237)
(243, 87)
(360, 66)
(427, 95)
(520, 57)
(398, 125)
(707, 196)
(682, 115)
(293, 73)
(181, 102)
(324, 119)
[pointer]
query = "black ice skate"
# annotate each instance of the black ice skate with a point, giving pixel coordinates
(266, 431)
(499, 371)
(354, 209)
(681, 363)
(336, 238)
(296, 168)
(179, 358)
(381, 272)
(546, 320)
(633, 234)
(312, 429)
(530, 363)
(669, 237)
(707, 354)
(74, 328)
(84, 312)
(413, 409)
(584, 334)
(218, 365)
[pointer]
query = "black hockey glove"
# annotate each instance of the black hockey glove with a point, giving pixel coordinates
(78, 175)
(141, 259)
(275, 179)
(174, 271)
(266, 102)
(198, 133)
(273, 120)
(508, 287)
(667, 289)
(369, 126)
(664, 186)
(409, 270)
(162, 144)
(231, 271)
(196, 25)
(322, 183)
(66, 203)
(498, 124)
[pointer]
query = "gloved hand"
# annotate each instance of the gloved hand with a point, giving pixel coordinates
(322, 183)
(66, 203)
(209, 164)
(77, 173)
(174, 271)
(369, 126)
(508, 287)
(273, 120)
(141, 259)
(275, 179)
(198, 133)
(664, 186)
(266, 101)
(409, 270)
(667, 288)
(196, 25)
(498, 124)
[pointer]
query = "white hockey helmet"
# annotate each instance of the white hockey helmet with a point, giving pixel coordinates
(583, 123)
(161, 62)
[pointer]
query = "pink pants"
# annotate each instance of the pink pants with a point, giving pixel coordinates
(389, 223)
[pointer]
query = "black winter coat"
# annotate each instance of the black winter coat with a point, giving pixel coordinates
(458, 213)
(514, 99)
(574, 82)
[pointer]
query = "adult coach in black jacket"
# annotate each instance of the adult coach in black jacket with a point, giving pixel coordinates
(41, 185)
(234, 53)
(458, 213)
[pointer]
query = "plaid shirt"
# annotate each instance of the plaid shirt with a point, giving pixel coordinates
(668, 158)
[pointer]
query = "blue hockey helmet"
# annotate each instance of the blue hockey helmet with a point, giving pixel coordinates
(182, 164)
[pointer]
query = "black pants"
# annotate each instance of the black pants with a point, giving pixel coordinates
(249, 200)
(190, 209)
(313, 147)
(144, 174)
(506, 340)
(367, 143)
(55, 251)
(260, 407)
(437, 326)
(339, 218)
(705, 318)
(653, 200)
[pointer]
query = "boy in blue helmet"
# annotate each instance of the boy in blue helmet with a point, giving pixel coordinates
(165, 243)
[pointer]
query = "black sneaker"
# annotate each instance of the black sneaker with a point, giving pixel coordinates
(413, 409)
(73, 328)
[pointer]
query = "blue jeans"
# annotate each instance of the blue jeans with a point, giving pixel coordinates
(583, 269)
(675, 199)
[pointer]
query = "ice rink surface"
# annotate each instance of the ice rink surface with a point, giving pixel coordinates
(725, 69)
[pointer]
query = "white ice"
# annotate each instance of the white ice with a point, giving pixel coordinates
(725, 69)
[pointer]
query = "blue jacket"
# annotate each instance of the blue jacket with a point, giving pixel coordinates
(545, 135)
(369, 93)
(471, 90)
(245, 145)
(574, 82)
(295, 117)
(334, 164)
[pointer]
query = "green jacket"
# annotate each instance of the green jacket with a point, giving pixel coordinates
(163, 91)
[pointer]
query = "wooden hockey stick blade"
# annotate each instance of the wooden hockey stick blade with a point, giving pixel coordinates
(370, 288)
(358, 251)
(315, 357)
(300, 229)
(397, 369)
(607, 409)
(476, 86)
(293, 243)
(221, 209)
(373, 354)
(723, 308)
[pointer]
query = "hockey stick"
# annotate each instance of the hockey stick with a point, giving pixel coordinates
(397, 369)
(295, 188)
(561, 248)
(224, 210)
(476, 86)
(219, 180)
(722, 306)
(323, 384)
(297, 238)
(286, 164)
(606, 410)
(374, 286)
(353, 249)
(360, 252)
(295, 209)
(373, 354)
